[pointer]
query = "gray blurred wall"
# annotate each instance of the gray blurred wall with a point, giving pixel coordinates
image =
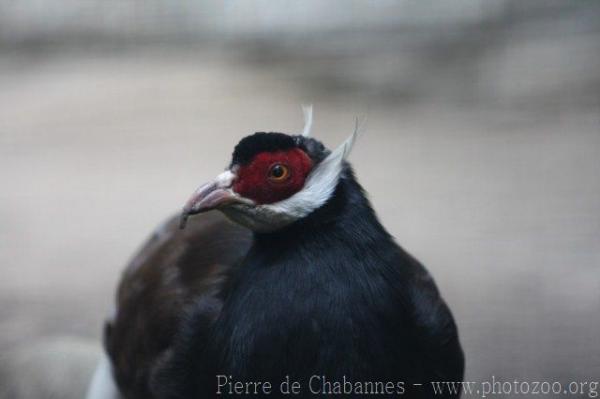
(481, 156)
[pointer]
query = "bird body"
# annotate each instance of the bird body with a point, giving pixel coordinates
(331, 297)
(318, 293)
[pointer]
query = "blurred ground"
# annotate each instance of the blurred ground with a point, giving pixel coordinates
(481, 160)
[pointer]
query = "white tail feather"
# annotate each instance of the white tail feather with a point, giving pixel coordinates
(102, 385)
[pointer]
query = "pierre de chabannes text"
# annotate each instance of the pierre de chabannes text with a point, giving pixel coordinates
(317, 384)
(321, 385)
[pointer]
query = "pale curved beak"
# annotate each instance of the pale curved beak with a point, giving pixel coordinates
(212, 195)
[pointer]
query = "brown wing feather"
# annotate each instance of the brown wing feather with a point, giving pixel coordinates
(174, 269)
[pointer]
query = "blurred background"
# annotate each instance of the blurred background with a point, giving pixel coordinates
(482, 156)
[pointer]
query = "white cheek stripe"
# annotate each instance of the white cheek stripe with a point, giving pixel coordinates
(320, 184)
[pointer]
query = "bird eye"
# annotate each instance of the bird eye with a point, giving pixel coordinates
(279, 173)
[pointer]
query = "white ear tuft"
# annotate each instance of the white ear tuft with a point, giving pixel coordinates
(320, 183)
(307, 110)
(345, 148)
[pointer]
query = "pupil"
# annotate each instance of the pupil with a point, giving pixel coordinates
(277, 171)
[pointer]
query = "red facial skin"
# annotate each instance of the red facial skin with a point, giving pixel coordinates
(253, 180)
